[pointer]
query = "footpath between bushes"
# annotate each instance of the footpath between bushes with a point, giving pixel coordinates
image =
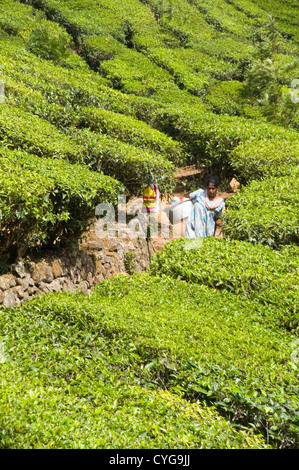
(98, 257)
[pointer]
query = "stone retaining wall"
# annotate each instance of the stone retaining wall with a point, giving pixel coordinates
(72, 270)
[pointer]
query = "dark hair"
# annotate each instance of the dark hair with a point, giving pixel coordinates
(214, 181)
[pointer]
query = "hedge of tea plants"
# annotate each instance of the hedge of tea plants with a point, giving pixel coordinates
(254, 160)
(130, 130)
(47, 202)
(125, 162)
(265, 212)
(142, 74)
(23, 130)
(69, 382)
(196, 343)
(252, 271)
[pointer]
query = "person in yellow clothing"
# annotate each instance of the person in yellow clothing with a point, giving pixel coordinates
(150, 206)
(151, 198)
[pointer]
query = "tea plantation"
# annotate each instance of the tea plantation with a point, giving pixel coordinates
(97, 97)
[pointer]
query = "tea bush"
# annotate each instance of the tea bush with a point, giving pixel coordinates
(46, 201)
(251, 271)
(226, 98)
(129, 130)
(129, 164)
(32, 101)
(255, 215)
(25, 207)
(66, 384)
(254, 160)
(21, 129)
(49, 42)
(199, 343)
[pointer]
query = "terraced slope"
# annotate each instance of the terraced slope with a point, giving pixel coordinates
(98, 97)
(134, 88)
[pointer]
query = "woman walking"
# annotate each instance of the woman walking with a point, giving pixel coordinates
(206, 211)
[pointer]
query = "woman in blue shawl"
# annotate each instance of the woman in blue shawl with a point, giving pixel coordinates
(206, 211)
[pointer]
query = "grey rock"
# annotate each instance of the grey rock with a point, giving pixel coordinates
(10, 299)
(42, 272)
(25, 282)
(19, 269)
(7, 281)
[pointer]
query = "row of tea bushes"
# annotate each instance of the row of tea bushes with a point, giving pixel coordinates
(265, 212)
(64, 385)
(225, 144)
(128, 164)
(247, 270)
(21, 20)
(113, 416)
(256, 159)
(204, 67)
(22, 130)
(31, 100)
(255, 8)
(200, 343)
(129, 130)
(46, 201)
(201, 131)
